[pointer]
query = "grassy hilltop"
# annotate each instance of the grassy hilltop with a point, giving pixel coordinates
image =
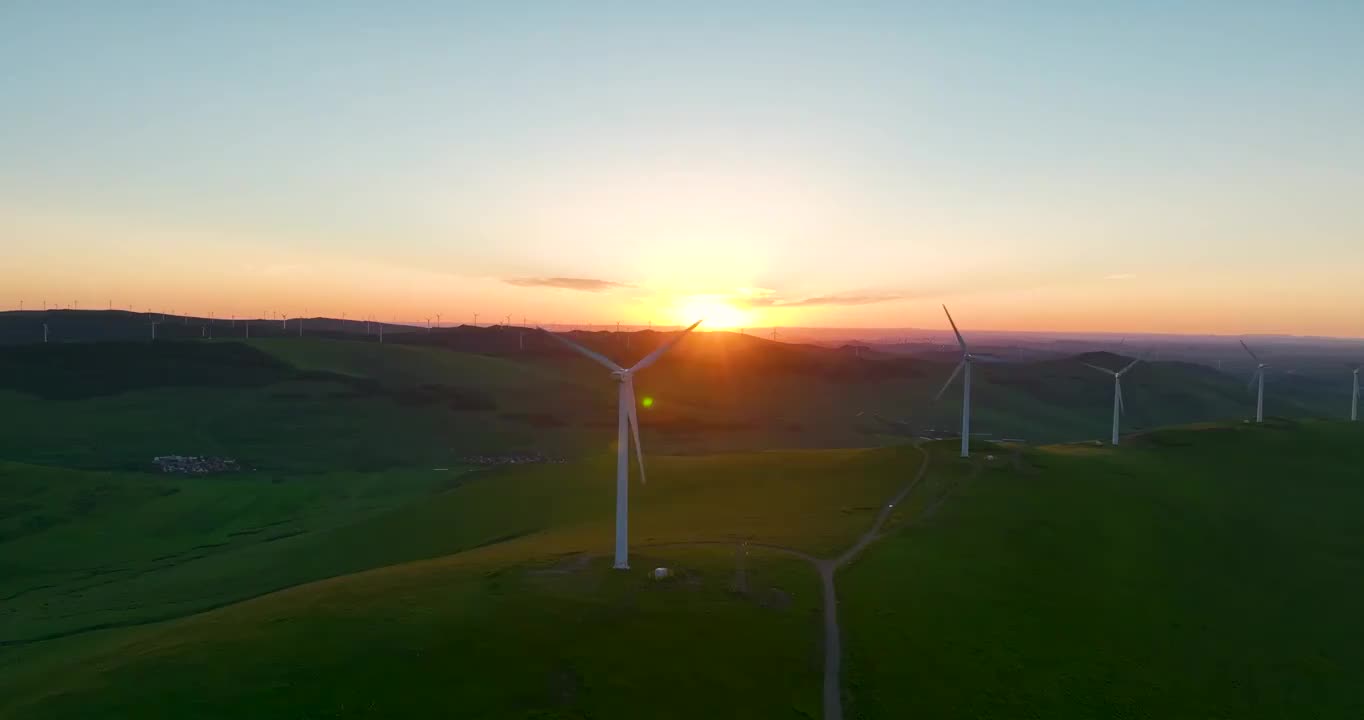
(363, 566)
(1197, 572)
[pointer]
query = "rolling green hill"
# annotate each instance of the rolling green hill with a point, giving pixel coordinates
(1196, 572)
(1202, 572)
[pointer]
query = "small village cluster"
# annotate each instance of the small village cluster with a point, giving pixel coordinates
(194, 464)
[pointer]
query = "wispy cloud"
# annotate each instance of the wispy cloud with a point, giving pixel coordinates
(563, 283)
(1120, 276)
(772, 300)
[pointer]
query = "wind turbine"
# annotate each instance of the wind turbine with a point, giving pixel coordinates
(1118, 407)
(45, 338)
(1354, 398)
(627, 423)
(966, 359)
(1258, 375)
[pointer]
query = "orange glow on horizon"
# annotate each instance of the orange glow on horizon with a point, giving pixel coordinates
(714, 311)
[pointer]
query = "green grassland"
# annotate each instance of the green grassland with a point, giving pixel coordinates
(360, 567)
(489, 604)
(472, 636)
(292, 405)
(1200, 573)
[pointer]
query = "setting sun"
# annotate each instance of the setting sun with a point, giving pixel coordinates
(715, 311)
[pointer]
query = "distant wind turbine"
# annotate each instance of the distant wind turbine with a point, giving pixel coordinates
(627, 423)
(1354, 398)
(966, 359)
(1258, 375)
(1118, 407)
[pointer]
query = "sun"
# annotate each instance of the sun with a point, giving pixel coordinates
(717, 313)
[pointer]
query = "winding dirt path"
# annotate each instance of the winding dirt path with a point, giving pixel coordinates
(827, 568)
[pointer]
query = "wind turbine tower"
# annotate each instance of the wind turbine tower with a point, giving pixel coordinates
(966, 360)
(627, 423)
(1354, 398)
(1118, 408)
(1258, 376)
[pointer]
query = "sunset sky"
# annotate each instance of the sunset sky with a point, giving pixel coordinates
(1048, 166)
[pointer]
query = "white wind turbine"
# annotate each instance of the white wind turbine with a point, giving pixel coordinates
(1259, 375)
(1117, 392)
(627, 424)
(1354, 398)
(966, 359)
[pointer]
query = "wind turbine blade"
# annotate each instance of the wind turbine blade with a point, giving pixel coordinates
(1248, 350)
(601, 359)
(1121, 407)
(960, 341)
(1105, 371)
(1129, 367)
(653, 357)
(947, 384)
(634, 427)
(1253, 377)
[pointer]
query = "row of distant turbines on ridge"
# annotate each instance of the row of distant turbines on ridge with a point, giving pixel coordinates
(628, 418)
(627, 426)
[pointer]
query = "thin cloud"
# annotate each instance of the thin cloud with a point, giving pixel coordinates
(563, 283)
(821, 300)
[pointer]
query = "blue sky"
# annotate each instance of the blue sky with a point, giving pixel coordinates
(1162, 166)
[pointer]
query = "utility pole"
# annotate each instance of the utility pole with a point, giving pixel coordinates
(44, 332)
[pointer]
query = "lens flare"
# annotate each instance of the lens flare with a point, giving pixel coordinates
(647, 401)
